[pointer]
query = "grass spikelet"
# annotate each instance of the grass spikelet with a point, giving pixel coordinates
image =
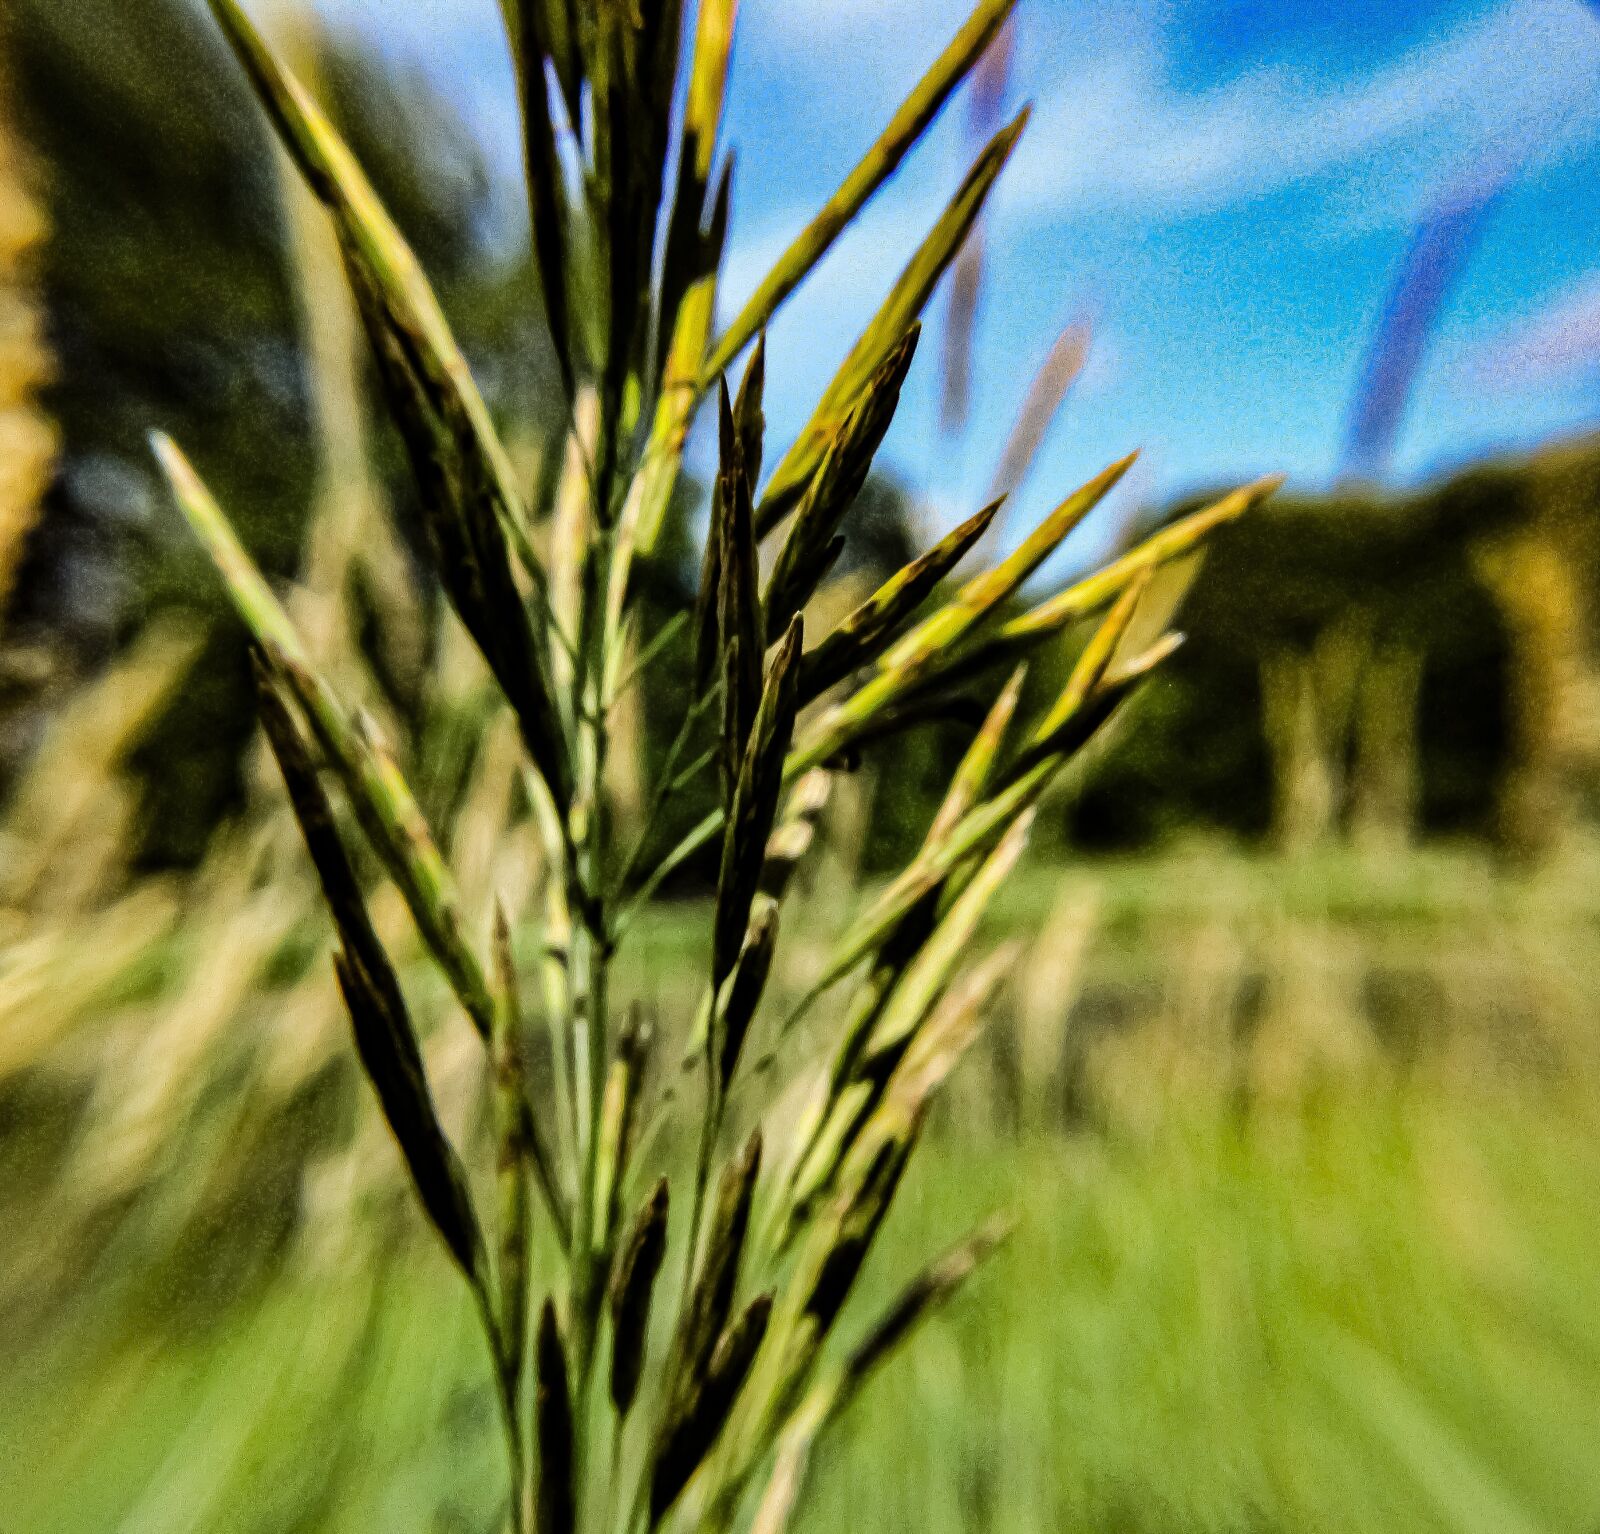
(687, 260)
(749, 420)
(791, 841)
(869, 628)
(904, 303)
(930, 1289)
(983, 593)
(390, 1057)
(922, 650)
(632, 1289)
(858, 1225)
(838, 481)
(1092, 665)
(383, 804)
(755, 804)
(619, 1119)
(936, 961)
(372, 243)
(977, 763)
(1094, 591)
(907, 125)
(691, 1436)
(742, 990)
(556, 1508)
(385, 1040)
(533, 40)
(740, 633)
(832, 1397)
(711, 1297)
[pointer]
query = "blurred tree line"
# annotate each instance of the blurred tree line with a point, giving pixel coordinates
(1359, 665)
(1379, 667)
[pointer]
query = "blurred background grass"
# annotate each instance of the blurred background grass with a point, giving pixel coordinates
(1303, 1163)
(1292, 1096)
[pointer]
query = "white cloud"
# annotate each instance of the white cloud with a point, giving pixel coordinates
(1114, 130)
(802, 24)
(1519, 83)
(1560, 343)
(1113, 133)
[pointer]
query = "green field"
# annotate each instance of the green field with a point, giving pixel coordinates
(1379, 1310)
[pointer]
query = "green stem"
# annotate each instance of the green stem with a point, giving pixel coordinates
(589, 965)
(510, 1417)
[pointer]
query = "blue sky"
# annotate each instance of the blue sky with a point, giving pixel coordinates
(1223, 187)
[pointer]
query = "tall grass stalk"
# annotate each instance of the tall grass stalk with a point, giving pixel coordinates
(637, 1391)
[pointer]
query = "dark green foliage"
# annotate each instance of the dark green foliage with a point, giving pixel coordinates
(1397, 572)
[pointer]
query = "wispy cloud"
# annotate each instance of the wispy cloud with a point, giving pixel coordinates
(1113, 133)
(1518, 83)
(1559, 344)
(802, 24)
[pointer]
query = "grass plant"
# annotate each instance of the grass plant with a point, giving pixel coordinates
(659, 1256)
